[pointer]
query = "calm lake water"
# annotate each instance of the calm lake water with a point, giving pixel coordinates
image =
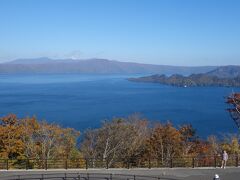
(83, 101)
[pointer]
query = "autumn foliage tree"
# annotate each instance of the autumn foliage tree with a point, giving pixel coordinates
(11, 131)
(135, 139)
(234, 101)
(30, 138)
(121, 138)
(118, 141)
(164, 142)
(167, 142)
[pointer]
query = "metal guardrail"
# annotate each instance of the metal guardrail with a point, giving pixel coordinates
(83, 176)
(200, 161)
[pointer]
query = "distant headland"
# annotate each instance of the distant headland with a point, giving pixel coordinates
(226, 76)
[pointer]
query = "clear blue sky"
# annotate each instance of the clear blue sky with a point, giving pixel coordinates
(175, 32)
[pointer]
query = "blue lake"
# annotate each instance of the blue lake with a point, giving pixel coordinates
(84, 101)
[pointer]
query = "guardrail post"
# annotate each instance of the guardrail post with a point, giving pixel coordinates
(193, 162)
(134, 177)
(171, 163)
(27, 164)
(111, 176)
(7, 165)
(149, 163)
(46, 164)
(215, 161)
(237, 160)
(66, 164)
(86, 162)
(106, 164)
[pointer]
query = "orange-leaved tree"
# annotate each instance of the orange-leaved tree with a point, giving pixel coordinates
(11, 143)
(30, 138)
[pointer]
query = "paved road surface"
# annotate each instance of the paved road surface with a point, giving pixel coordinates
(164, 173)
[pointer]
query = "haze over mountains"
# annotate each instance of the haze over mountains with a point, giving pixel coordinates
(95, 66)
(225, 72)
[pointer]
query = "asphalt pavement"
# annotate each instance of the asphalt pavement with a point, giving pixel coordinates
(232, 173)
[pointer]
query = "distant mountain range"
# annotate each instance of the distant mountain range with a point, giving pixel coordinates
(228, 76)
(95, 66)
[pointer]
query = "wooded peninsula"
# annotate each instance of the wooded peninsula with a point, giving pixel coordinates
(189, 81)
